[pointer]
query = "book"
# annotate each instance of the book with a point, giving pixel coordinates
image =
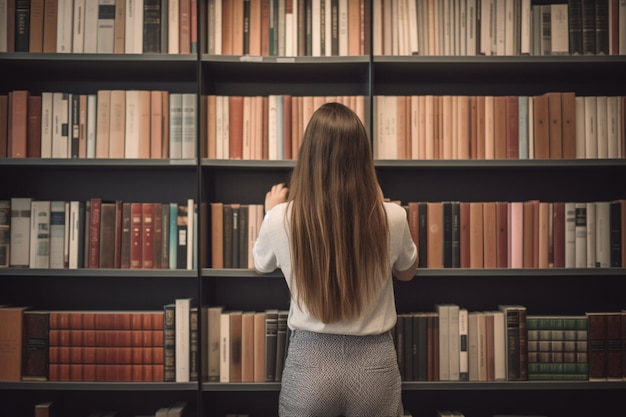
(39, 234)
(35, 345)
(20, 232)
(213, 343)
(182, 327)
(11, 343)
(5, 232)
(169, 342)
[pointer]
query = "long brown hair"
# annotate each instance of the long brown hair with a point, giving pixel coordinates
(339, 231)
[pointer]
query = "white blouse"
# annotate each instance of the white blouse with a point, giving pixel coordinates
(271, 251)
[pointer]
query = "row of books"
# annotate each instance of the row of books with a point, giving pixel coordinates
(107, 124)
(100, 26)
(97, 233)
(519, 234)
(554, 125)
(246, 346)
(264, 127)
(234, 229)
(507, 344)
(100, 346)
(288, 27)
(498, 27)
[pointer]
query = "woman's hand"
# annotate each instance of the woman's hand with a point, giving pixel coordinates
(277, 195)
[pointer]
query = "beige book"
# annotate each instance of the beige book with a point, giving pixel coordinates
(156, 124)
(103, 124)
(117, 129)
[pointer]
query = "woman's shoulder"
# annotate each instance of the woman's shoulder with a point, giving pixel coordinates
(395, 210)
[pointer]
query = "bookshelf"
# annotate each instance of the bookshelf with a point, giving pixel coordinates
(544, 291)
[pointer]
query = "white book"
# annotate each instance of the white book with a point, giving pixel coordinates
(60, 125)
(40, 234)
(591, 235)
(602, 123)
(316, 37)
(471, 29)
(133, 35)
(580, 127)
(272, 140)
(78, 31)
(225, 347)
(176, 125)
(525, 27)
(343, 27)
(390, 128)
(92, 107)
(173, 27)
(57, 234)
(189, 125)
(3, 20)
(531, 130)
(90, 41)
(290, 24)
(66, 233)
(191, 235)
(218, 27)
(181, 318)
(75, 235)
(65, 10)
(46, 124)
(106, 27)
(603, 234)
(463, 345)
(20, 231)
(570, 235)
(559, 29)
(499, 348)
(581, 235)
(613, 126)
(591, 137)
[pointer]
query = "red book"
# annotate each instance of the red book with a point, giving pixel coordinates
(148, 236)
(136, 234)
(18, 122)
(512, 127)
(558, 235)
(614, 346)
(287, 144)
(33, 136)
(235, 126)
(597, 347)
(502, 234)
(94, 233)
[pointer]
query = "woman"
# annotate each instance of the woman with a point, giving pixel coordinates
(337, 244)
